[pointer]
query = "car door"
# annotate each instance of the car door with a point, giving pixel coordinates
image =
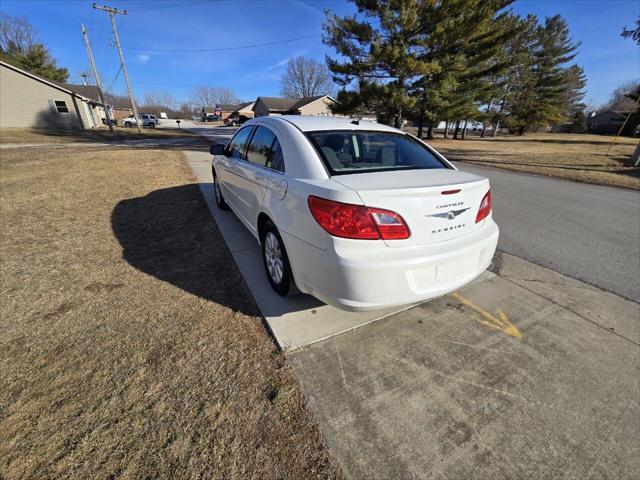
(227, 167)
(255, 174)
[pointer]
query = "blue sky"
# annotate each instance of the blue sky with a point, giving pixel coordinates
(607, 58)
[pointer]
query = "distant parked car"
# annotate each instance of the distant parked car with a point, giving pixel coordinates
(235, 119)
(146, 120)
(212, 118)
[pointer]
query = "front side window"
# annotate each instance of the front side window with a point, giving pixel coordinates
(360, 151)
(260, 149)
(61, 106)
(238, 143)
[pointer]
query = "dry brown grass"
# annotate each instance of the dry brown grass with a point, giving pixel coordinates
(575, 157)
(130, 346)
(36, 136)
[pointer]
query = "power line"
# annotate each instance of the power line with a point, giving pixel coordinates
(114, 79)
(223, 49)
(165, 6)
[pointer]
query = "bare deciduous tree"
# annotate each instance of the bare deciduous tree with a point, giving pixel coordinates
(20, 47)
(17, 35)
(619, 101)
(205, 96)
(161, 100)
(305, 78)
(118, 101)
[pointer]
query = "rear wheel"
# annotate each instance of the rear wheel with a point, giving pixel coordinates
(217, 193)
(276, 261)
(127, 124)
(152, 125)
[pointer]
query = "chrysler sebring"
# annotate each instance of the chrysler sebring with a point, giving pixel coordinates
(360, 215)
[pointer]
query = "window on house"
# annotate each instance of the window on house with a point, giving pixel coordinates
(61, 106)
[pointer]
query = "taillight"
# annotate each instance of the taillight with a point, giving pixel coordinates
(485, 207)
(357, 221)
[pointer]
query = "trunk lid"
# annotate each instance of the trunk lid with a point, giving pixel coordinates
(417, 195)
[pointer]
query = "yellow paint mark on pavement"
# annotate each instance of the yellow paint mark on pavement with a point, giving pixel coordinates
(499, 322)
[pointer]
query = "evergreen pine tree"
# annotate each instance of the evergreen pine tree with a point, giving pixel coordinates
(379, 46)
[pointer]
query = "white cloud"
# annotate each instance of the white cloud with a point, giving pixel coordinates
(144, 58)
(284, 61)
(279, 64)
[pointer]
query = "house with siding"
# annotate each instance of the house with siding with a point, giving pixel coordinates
(244, 109)
(605, 123)
(28, 100)
(318, 105)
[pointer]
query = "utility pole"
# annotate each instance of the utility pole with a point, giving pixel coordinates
(112, 12)
(95, 74)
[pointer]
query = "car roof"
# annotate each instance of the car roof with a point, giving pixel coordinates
(309, 123)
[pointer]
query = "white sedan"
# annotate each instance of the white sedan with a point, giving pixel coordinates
(360, 215)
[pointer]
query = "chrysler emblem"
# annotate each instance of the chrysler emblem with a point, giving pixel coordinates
(450, 215)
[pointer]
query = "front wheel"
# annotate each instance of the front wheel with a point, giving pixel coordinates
(217, 193)
(127, 124)
(152, 125)
(276, 261)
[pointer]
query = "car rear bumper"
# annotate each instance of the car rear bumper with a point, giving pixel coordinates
(367, 275)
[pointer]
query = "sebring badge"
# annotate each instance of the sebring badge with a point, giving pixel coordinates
(450, 215)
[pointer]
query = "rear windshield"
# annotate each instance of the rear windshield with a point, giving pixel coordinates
(359, 151)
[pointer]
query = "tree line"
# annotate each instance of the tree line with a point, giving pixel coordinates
(455, 61)
(19, 46)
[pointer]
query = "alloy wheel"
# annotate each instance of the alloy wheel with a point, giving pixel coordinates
(273, 257)
(216, 191)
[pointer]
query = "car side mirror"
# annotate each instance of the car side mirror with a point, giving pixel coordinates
(216, 149)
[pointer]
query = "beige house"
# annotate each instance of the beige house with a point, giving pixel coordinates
(31, 101)
(244, 109)
(318, 105)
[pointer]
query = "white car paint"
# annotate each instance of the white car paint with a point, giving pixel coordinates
(355, 274)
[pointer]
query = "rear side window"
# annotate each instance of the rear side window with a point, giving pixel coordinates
(360, 151)
(276, 160)
(238, 143)
(260, 149)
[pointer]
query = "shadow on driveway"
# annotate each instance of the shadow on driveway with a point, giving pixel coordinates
(169, 234)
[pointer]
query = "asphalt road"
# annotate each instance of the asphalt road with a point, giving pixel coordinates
(588, 232)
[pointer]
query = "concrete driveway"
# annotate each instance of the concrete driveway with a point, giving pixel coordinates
(526, 373)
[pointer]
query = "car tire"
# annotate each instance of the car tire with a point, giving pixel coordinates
(127, 124)
(276, 261)
(152, 125)
(217, 193)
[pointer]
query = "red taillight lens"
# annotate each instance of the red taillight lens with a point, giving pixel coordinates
(357, 221)
(485, 207)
